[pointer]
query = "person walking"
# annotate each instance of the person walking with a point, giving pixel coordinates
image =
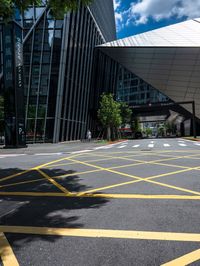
(89, 135)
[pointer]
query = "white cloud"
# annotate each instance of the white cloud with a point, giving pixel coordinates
(118, 14)
(142, 10)
(116, 4)
(119, 20)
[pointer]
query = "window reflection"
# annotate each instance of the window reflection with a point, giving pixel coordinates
(134, 90)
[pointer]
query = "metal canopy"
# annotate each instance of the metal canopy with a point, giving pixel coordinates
(167, 58)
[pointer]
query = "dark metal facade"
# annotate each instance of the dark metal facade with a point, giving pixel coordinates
(59, 67)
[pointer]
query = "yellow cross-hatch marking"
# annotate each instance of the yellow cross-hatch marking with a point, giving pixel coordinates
(6, 253)
(36, 167)
(126, 234)
(142, 179)
(54, 182)
(185, 260)
(138, 179)
(98, 170)
(101, 195)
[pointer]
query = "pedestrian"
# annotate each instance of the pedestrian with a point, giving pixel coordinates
(89, 135)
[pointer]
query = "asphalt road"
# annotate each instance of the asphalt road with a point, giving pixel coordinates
(132, 203)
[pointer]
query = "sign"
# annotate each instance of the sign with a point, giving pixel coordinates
(13, 85)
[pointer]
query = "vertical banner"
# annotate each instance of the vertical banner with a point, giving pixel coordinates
(13, 86)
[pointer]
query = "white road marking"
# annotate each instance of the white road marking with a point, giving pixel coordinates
(151, 145)
(99, 148)
(182, 144)
(108, 147)
(198, 144)
(120, 147)
(152, 142)
(166, 145)
(135, 146)
(181, 141)
(47, 154)
(10, 155)
(74, 152)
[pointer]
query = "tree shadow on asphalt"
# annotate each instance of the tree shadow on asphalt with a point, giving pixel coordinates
(43, 211)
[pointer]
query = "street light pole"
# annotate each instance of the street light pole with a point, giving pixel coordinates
(194, 119)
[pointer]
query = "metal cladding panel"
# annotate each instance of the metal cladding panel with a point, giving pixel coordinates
(181, 34)
(103, 13)
(170, 72)
(167, 58)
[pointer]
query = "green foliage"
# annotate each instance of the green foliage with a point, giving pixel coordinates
(58, 7)
(109, 113)
(126, 113)
(135, 125)
(170, 127)
(161, 130)
(148, 131)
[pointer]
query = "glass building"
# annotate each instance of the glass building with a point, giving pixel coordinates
(135, 91)
(69, 63)
(58, 60)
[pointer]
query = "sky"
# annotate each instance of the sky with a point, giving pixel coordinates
(137, 16)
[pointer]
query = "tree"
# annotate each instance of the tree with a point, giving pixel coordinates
(58, 7)
(126, 113)
(170, 127)
(148, 131)
(109, 113)
(135, 126)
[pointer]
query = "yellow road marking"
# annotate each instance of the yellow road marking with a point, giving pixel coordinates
(78, 173)
(126, 183)
(60, 164)
(126, 234)
(106, 187)
(35, 194)
(6, 252)
(51, 180)
(142, 179)
(23, 182)
(40, 179)
(154, 161)
(15, 175)
(35, 168)
(102, 195)
(93, 171)
(185, 260)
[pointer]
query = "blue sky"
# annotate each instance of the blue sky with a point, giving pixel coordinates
(136, 16)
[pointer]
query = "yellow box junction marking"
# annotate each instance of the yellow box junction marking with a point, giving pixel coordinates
(101, 195)
(8, 257)
(85, 193)
(126, 234)
(36, 167)
(142, 179)
(6, 253)
(185, 260)
(51, 180)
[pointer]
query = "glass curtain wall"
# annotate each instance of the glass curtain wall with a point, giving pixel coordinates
(43, 65)
(1, 90)
(135, 91)
(42, 45)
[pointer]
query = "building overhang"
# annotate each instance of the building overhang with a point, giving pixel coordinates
(166, 58)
